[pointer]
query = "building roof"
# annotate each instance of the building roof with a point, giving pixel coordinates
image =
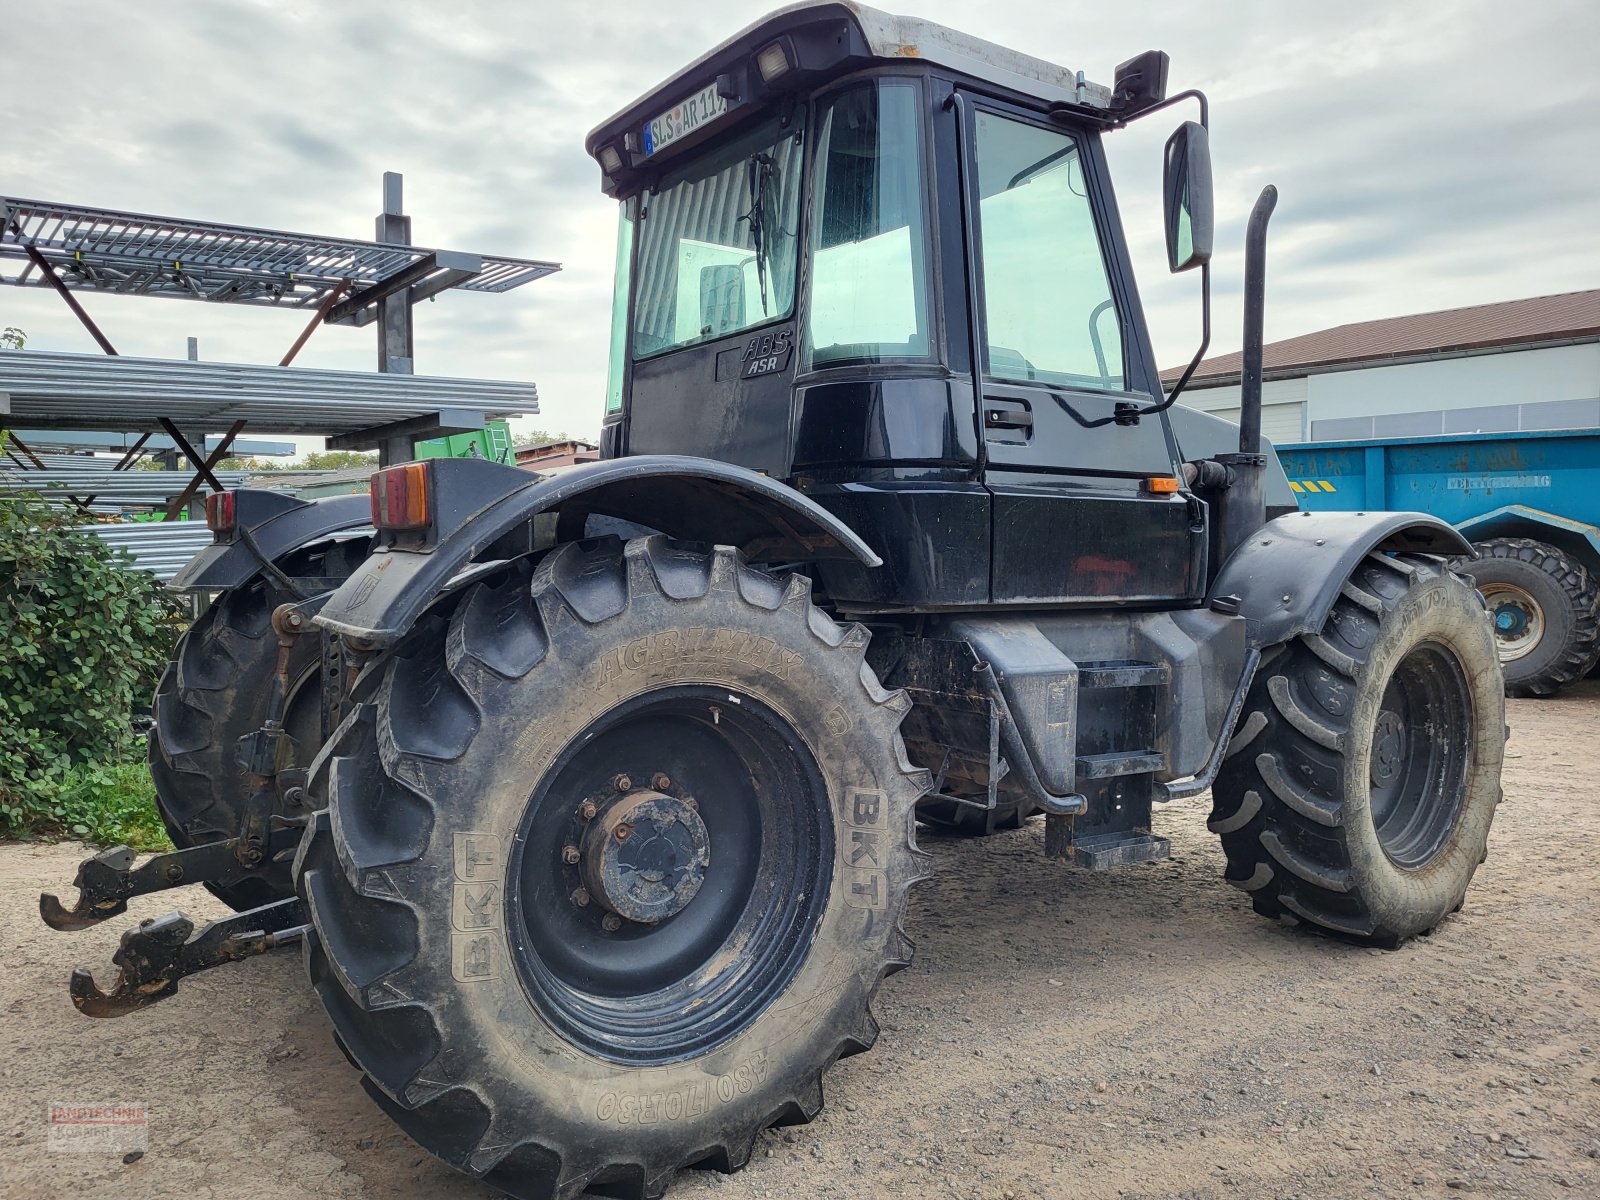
(1566, 316)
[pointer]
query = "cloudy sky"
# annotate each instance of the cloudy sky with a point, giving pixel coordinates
(1428, 154)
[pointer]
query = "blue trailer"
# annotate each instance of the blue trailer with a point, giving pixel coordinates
(1530, 503)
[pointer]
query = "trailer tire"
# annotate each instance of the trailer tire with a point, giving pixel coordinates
(516, 1028)
(1357, 794)
(1546, 610)
(213, 692)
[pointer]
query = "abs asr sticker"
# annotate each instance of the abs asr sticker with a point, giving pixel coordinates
(767, 353)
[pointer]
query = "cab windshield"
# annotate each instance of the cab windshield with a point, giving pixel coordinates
(718, 242)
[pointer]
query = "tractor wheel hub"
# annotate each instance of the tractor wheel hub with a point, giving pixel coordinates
(1388, 748)
(645, 856)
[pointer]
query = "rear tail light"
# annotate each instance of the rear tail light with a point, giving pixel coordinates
(219, 512)
(400, 497)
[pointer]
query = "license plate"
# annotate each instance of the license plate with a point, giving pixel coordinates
(684, 118)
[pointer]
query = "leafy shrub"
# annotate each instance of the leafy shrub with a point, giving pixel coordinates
(82, 643)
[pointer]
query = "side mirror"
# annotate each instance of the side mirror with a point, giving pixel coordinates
(721, 299)
(1186, 186)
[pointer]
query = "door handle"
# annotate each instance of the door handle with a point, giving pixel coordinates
(1006, 414)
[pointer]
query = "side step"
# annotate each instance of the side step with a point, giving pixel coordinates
(1119, 762)
(1105, 850)
(1122, 673)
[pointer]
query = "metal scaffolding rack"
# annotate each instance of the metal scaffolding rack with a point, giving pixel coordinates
(73, 249)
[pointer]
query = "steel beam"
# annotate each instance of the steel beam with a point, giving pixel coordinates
(437, 271)
(439, 424)
(175, 509)
(311, 326)
(87, 321)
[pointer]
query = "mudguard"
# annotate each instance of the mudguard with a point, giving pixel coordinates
(279, 524)
(1578, 538)
(1289, 573)
(475, 504)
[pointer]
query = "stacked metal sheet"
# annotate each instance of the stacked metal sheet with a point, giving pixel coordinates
(44, 389)
(116, 488)
(160, 547)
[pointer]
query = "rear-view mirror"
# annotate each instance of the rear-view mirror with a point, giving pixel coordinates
(1186, 188)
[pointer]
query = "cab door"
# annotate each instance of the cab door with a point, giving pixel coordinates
(1074, 519)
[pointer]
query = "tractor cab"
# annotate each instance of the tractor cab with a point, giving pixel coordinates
(880, 260)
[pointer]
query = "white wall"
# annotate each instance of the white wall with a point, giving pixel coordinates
(1289, 406)
(1517, 377)
(1283, 409)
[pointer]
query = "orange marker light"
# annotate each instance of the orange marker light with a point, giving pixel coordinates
(1162, 484)
(400, 497)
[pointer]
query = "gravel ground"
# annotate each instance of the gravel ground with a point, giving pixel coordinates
(1137, 1033)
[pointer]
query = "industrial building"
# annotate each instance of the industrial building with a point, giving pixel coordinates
(1528, 364)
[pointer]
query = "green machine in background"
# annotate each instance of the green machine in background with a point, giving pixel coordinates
(492, 442)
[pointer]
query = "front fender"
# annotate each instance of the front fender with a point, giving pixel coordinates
(1289, 573)
(692, 499)
(279, 523)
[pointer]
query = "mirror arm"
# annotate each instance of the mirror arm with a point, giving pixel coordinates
(1205, 344)
(1192, 94)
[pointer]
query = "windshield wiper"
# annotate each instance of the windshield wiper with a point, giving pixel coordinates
(758, 177)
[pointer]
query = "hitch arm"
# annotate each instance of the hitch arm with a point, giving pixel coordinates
(153, 957)
(105, 881)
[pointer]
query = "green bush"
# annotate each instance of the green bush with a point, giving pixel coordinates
(83, 641)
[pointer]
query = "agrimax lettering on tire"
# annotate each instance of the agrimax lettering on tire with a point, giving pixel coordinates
(1359, 789)
(613, 862)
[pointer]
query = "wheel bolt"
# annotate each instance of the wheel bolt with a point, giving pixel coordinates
(587, 810)
(622, 783)
(580, 897)
(661, 783)
(611, 923)
(569, 855)
(624, 832)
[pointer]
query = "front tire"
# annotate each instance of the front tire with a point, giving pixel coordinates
(1358, 791)
(611, 867)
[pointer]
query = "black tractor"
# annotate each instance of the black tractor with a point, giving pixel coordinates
(593, 793)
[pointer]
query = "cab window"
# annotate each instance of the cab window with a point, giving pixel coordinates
(1048, 310)
(869, 273)
(719, 243)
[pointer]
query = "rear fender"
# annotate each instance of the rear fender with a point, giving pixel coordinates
(278, 523)
(484, 511)
(1287, 576)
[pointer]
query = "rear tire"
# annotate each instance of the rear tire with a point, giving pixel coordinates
(214, 692)
(1546, 612)
(1358, 791)
(547, 1042)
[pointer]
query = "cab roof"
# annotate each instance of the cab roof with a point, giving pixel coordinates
(824, 39)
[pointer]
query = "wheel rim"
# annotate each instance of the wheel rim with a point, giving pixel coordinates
(667, 940)
(1419, 755)
(1517, 619)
